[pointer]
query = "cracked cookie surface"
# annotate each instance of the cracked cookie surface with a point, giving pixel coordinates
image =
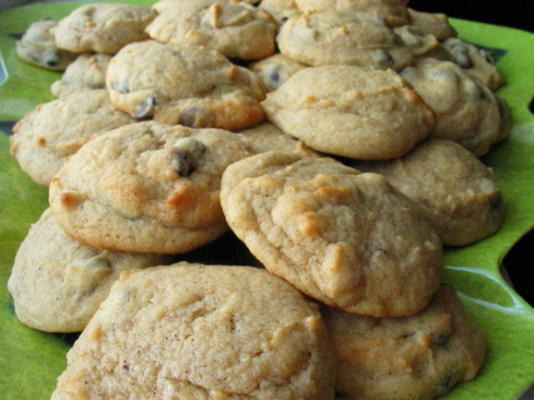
(201, 332)
(146, 187)
(343, 237)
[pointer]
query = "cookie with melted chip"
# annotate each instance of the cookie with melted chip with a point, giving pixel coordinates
(350, 111)
(146, 187)
(191, 331)
(276, 69)
(422, 356)
(57, 129)
(345, 238)
(235, 29)
(184, 84)
(102, 27)
(57, 284)
(456, 191)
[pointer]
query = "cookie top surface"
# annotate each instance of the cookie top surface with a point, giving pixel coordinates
(184, 84)
(202, 332)
(466, 110)
(57, 283)
(146, 187)
(333, 232)
(235, 29)
(333, 37)
(350, 111)
(394, 12)
(435, 24)
(416, 40)
(102, 27)
(57, 129)
(281, 10)
(37, 47)
(417, 357)
(88, 71)
(276, 69)
(456, 191)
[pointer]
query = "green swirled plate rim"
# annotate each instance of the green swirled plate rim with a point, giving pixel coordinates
(30, 361)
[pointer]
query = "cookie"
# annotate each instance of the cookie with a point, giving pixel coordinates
(345, 238)
(456, 191)
(435, 24)
(334, 37)
(57, 129)
(146, 187)
(350, 111)
(184, 84)
(466, 110)
(281, 10)
(88, 71)
(394, 12)
(416, 357)
(102, 27)
(267, 137)
(191, 331)
(276, 69)
(57, 283)
(475, 61)
(37, 47)
(416, 40)
(235, 29)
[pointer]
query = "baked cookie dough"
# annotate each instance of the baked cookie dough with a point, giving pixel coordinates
(281, 10)
(416, 357)
(456, 191)
(184, 84)
(146, 187)
(57, 129)
(88, 71)
(350, 111)
(37, 47)
(334, 37)
(394, 12)
(435, 24)
(345, 238)
(235, 29)
(191, 331)
(466, 110)
(276, 69)
(416, 40)
(102, 27)
(57, 283)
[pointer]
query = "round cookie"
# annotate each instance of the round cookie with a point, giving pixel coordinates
(102, 27)
(456, 191)
(191, 331)
(235, 29)
(350, 111)
(345, 238)
(394, 12)
(57, 283)
(57, 129)
(184, 84)
(276, 69)
(416, 357)
(281, 10)
(88, 71)
(466, 110)
(37, 47)
(268, 137)
(146, 187)
(435, 24)
(334, 37)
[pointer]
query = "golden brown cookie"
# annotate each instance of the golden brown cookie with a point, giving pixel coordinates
(57, 283)
(345, 238)
(191, 331)
(416, 357)
(350, 111)
(456, 191)
(184, 84)
(146, 187)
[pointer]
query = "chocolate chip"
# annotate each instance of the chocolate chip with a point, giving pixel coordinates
(384, 59)
(145, 108)
(440, 338)
(446, 384)
(274, 76)
(187, 155)
(196, 117)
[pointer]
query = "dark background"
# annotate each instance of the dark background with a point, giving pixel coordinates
(513, 13)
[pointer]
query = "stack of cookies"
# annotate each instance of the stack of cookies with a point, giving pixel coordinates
(336, 141)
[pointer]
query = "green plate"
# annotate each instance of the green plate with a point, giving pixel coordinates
(30, 361)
